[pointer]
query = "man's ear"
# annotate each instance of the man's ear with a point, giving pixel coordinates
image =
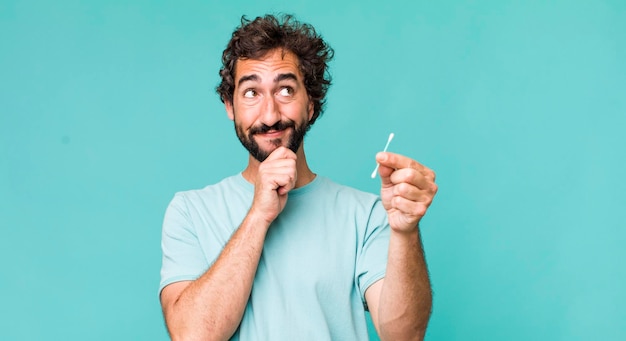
(229, 109)
(311, 107)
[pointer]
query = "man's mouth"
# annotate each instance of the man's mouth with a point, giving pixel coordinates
(276, 129)
(272, 134)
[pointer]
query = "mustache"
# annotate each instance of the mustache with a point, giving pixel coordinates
(280, 125)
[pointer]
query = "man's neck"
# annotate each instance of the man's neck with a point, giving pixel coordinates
(305, 175)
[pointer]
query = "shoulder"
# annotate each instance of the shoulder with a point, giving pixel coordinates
(228, 186)
(217, 197)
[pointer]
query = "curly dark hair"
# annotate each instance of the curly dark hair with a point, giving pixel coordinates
(254, 38)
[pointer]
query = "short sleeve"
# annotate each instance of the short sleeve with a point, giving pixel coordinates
(183, 258)
(372, 258)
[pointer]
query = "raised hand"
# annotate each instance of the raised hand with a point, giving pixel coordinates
(276, 176)
(407, 190)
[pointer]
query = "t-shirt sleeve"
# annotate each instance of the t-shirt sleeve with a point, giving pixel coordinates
(183, 258)
(372, 259)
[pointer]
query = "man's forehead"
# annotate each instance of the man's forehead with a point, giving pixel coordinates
(277, 61)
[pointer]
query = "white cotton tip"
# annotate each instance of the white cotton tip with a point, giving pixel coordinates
(384, 150)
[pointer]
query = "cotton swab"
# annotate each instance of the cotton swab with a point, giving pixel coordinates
(384, 150)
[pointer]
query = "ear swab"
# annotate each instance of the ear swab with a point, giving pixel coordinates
(384, 150)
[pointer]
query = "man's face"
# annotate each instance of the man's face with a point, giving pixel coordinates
(271, 107)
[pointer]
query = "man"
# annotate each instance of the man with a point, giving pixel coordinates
(278, 252)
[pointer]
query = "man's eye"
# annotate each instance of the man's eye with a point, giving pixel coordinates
(286, 91)
(249, 93)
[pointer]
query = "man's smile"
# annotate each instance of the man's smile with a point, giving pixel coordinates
(273, 134)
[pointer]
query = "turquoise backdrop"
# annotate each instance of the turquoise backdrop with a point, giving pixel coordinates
(108, 107)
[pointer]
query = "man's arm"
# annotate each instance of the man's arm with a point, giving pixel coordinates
(400, 304)
(212, 306)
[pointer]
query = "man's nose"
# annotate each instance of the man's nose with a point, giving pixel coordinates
(270, 114)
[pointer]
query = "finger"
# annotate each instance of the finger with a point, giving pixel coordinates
(409, 207)
(412, 177)
(284, 182)
(407, 191)
(398, 161)
(268, 168)
(278, 165)
(287, 186)
(389, 162)
(385, 176)
(412, 193)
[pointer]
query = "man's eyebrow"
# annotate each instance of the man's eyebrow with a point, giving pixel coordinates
(246, 78)
(284, 76)
(255, 78)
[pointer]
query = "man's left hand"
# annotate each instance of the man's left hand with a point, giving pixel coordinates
(407, 190)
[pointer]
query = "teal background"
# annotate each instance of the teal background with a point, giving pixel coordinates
(107, 108)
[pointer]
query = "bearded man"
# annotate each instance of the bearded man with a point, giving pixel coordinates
(278, 252)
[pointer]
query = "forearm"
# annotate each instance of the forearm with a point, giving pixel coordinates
(212, 306)
(406, 297)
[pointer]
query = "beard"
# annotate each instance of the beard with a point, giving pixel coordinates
(294, 140)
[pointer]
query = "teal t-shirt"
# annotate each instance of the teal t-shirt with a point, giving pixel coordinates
(324, 250)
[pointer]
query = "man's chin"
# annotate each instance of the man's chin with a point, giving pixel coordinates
(270, 145)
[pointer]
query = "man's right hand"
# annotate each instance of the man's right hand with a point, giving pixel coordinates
(276, 176)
